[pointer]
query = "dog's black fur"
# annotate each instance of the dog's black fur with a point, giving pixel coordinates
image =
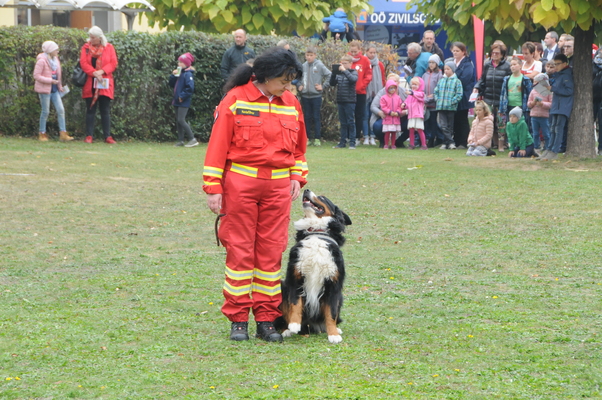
(312, 293)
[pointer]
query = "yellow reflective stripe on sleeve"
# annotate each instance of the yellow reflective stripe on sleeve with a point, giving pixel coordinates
(237, 290)
(211, 183)
(212, 171)
(243, 170)
(280, 173)
(267, 290)
(267, 276)
(238, 275)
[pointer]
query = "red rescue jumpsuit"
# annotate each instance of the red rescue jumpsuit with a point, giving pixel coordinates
(256, 148)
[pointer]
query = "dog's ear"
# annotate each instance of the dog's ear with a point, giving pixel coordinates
(342, 217)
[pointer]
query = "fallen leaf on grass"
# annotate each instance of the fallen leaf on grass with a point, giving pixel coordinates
(448, 159)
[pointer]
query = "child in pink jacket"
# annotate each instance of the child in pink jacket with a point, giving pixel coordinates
(391, 105)
(415, 105)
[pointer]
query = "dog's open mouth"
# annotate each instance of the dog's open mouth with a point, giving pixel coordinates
(308, 203)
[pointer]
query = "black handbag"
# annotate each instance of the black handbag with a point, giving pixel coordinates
(79, 77)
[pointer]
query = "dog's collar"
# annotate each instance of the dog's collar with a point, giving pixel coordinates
(322, 235)
(315, 230)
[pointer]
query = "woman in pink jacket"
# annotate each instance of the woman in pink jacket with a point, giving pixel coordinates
(47, 76)
(99, 60)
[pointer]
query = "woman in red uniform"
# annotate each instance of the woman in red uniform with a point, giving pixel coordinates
(254, 168)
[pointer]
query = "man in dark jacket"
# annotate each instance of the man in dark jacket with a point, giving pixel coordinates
(237, 54)
(562, 105)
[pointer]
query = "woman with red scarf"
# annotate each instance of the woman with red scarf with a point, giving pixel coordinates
(98, 60)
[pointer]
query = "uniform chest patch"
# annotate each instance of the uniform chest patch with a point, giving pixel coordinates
(246, 111)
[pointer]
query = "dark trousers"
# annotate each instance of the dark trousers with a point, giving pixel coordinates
(598, 118)
(530, 149)
(104, 103)
(360, 115)
(557, 129)
(311, 112)
(182, 125)
(346, 116)
(461, 128)
(446, 123)
(431, 127)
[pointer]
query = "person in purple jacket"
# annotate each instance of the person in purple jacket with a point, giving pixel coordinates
(182, 80)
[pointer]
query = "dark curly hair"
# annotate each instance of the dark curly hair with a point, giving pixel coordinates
(272, 63)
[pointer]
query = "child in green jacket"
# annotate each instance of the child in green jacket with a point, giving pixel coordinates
(520, 140)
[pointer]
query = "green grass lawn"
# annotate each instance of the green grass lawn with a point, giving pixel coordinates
(468, 278)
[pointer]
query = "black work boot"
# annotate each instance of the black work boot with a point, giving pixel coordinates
(267, 332)
(239, 331)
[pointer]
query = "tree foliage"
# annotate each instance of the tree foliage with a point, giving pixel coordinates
(255, 16)
(513, 21)
(516, 21)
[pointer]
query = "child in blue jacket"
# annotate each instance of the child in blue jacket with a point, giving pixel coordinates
(182, 80)
(338, 23)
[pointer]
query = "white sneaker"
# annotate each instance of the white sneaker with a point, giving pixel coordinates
(366, 141)
(451, 146)
(372, 141)
(192, 143)
(443, 147)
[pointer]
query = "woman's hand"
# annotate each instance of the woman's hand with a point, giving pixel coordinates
(214, 201)
(295, 189)
(381, 114)
(98, 74)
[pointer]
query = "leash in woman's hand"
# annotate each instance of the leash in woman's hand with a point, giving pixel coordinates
(216, 226)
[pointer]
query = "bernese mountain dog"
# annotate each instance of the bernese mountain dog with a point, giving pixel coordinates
(312, 293)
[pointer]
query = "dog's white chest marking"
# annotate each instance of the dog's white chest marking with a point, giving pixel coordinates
(315, 259)
(316, 265)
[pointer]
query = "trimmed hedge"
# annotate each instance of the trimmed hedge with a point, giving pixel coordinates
(142, 107)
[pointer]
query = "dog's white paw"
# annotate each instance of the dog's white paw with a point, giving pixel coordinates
(335, 339)
(340, 331)
(287, 333)
(294, 327)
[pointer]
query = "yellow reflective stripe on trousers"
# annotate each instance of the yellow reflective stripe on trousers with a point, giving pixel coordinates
(237, 290)
(280, 173)
(267, 290)
(244, 170)
(238, 275)
(267, 276)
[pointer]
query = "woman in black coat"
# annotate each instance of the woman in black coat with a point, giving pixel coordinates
(466, 73)
(490, 86)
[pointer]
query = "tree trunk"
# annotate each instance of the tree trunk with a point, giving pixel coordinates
(581, 141)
